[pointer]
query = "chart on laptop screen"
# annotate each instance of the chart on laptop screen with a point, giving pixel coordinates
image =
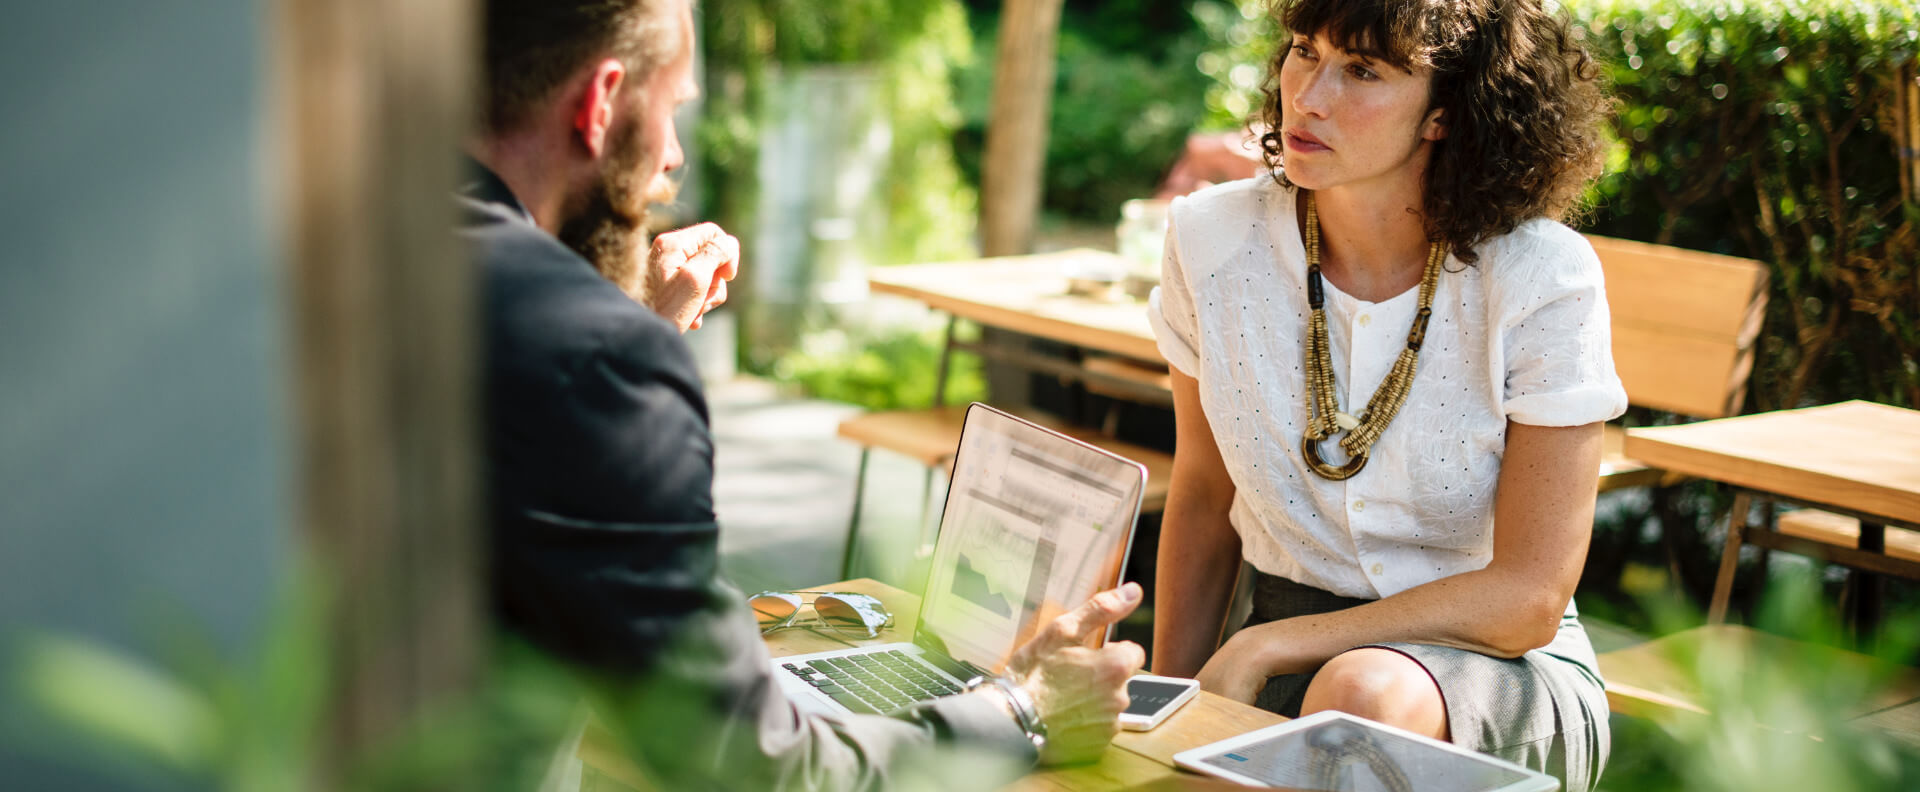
(1034, 524)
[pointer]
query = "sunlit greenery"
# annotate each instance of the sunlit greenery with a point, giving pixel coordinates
(1767, 130)
(1126, 95)
(914, 45)
(888, 369)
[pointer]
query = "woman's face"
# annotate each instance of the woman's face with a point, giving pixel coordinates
(1352, 119)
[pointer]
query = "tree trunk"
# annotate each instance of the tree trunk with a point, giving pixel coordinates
(1010, 182)
(373, 105)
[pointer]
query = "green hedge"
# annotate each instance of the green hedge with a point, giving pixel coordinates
(1758, 129)
(1767, 130)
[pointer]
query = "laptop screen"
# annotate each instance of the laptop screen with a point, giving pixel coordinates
(1035, 523)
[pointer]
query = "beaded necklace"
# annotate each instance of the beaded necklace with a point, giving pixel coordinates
(1325, 418)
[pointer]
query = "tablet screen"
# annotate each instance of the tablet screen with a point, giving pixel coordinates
(1352, 755)
(1035, 523)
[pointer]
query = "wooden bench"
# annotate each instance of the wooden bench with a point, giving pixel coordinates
(1684, 325)
(1836, 530)
(1668, 678)
(1828, 538)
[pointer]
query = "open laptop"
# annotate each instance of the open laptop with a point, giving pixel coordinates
(1035, 523)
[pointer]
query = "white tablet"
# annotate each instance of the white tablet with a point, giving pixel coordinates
(1337, 751)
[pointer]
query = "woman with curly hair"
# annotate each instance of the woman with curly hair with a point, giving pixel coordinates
(1391, 364)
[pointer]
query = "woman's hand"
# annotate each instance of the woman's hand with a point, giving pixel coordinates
(1238, 671)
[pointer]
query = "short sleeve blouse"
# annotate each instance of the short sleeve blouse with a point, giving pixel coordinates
(1520, 335)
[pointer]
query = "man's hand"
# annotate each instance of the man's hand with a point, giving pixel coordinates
(1079, 691)
(687, 273)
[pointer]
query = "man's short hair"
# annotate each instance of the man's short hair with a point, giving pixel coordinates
(532, 47)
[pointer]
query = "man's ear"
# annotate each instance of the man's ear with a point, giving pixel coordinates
(593, 116)
(1435, 127)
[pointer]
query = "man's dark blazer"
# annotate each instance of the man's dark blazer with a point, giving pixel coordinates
(603, 540)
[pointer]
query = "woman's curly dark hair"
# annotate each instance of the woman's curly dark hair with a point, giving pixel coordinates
(1520, 97)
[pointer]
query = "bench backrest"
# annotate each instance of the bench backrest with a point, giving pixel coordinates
(1684, 324)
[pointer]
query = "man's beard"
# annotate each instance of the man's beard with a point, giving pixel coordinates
(607, 226)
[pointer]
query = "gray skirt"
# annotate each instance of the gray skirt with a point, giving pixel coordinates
(1546, 709)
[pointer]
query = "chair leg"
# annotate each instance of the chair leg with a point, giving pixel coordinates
(1110, 423)
(1729, 558)
(1865, 613)
(926, 505)
(853, 521)
(1769, 521)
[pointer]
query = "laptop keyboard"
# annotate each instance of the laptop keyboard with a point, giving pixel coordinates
(876, 682)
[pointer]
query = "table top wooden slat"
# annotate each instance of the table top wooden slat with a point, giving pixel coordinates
(1028, 294)
(1117, 769)
(1854, 455)
(1206, 719)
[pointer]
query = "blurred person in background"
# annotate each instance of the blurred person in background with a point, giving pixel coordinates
(603, 539)
(1213, 158)
(1391, 364)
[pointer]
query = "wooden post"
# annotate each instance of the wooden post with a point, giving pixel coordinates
(1010, 179)
(372, 105)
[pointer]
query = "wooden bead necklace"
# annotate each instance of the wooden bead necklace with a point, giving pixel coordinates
(1324, 418)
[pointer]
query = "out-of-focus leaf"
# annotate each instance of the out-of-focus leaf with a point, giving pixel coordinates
(124, 704)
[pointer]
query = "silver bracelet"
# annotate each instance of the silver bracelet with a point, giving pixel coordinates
(1025, 713)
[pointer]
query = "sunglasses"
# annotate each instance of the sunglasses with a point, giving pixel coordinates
(841, 612)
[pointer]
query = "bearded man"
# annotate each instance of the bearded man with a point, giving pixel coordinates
(600, 461)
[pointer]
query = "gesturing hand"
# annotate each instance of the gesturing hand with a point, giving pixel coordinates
(1079, 691)
(687, 273)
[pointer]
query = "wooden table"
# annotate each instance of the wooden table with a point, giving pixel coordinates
(1855, 458)
(1033, 296)
(1029, 294)
(1135, 759)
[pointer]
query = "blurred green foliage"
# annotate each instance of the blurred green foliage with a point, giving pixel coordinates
(195, 716)
(1243, 35)
(1767, 130)
(914, 44)
(243, 724)
(884, 370)
(1779, 720)
(1126, 95)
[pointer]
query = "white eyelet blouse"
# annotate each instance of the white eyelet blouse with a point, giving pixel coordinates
(1520, 335)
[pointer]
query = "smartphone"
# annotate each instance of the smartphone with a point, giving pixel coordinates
(1152, 698)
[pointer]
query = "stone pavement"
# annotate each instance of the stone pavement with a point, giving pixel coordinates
(783, 490)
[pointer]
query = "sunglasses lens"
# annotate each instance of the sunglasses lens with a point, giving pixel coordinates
(843, 616)
(772, 610)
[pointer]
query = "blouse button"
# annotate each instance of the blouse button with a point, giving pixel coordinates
(1359, 505)
(1378, 569)
(1366, 319)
